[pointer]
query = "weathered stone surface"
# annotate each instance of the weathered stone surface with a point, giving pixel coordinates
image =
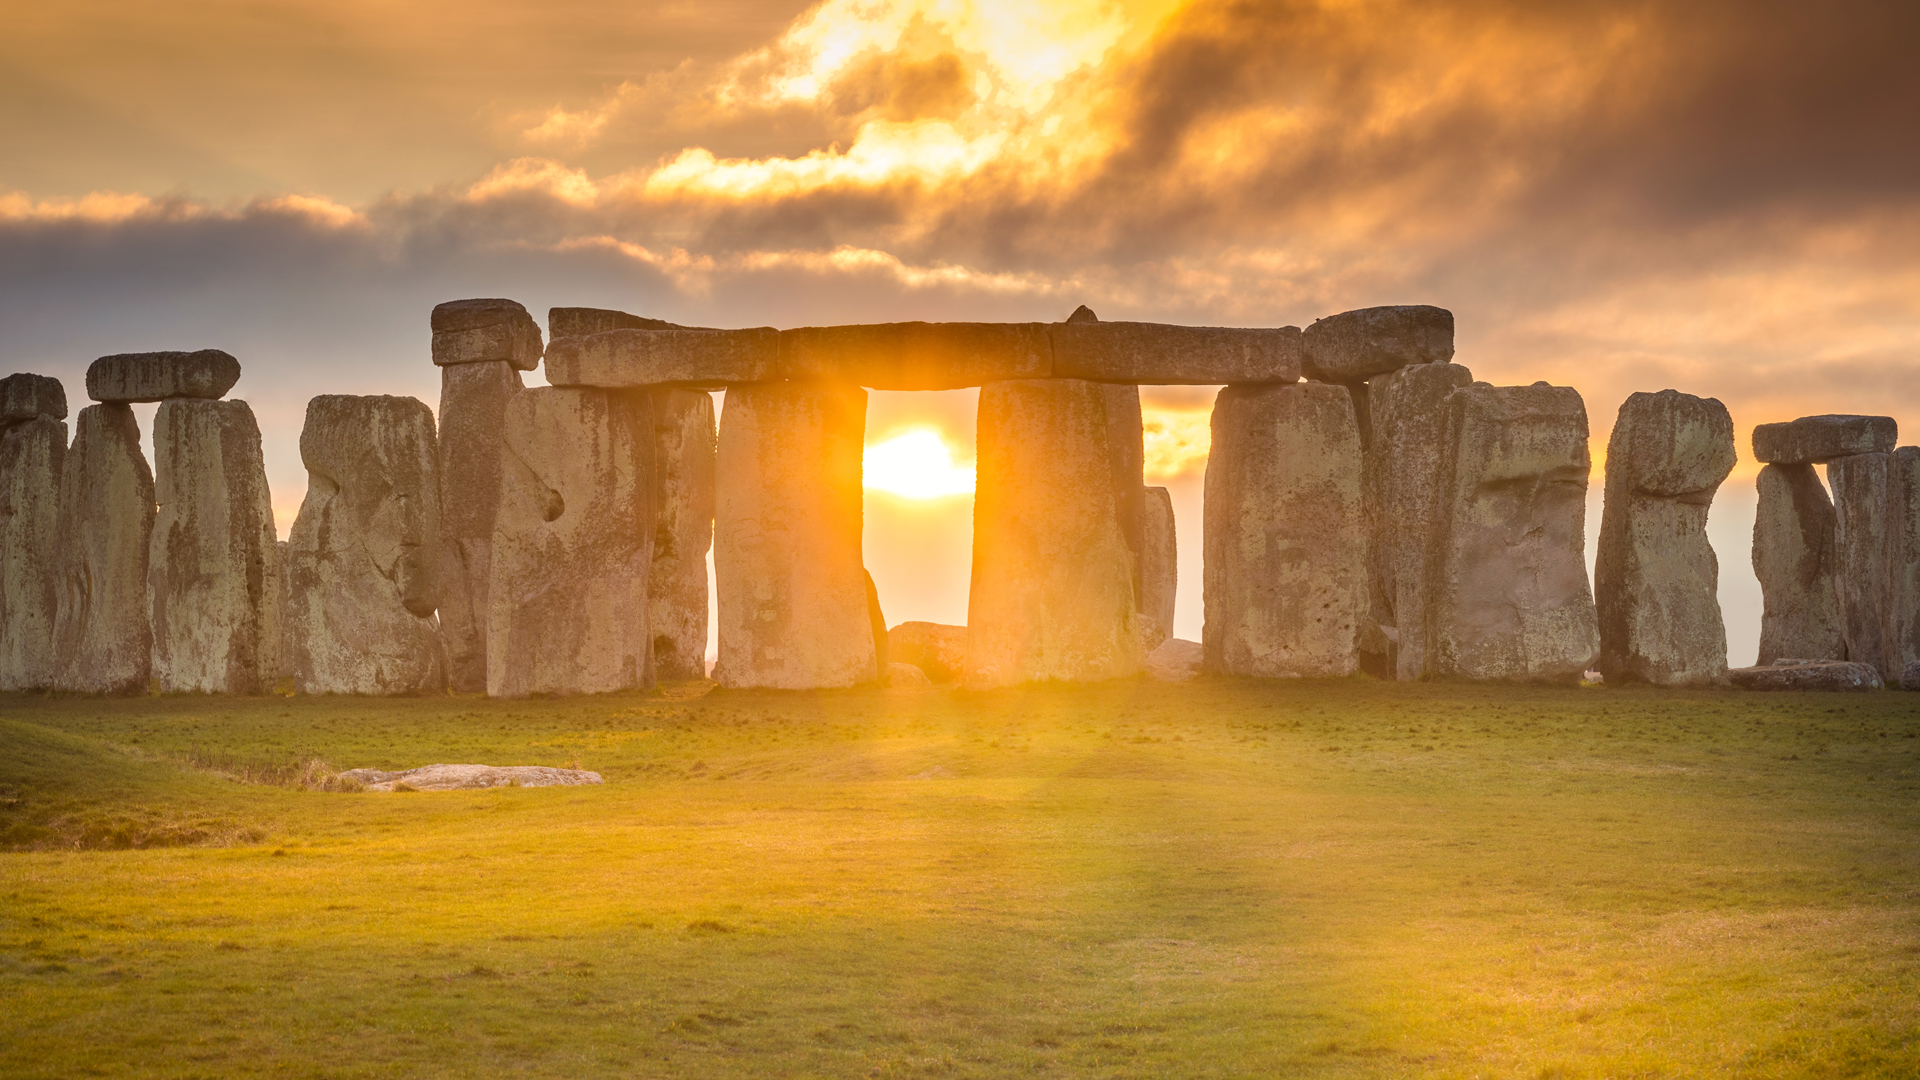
(473, 411)
(1403, 488)
(1793, 556)
(916, 355)
(1910, 678)
(1863, 525)
(581, 321)
(1285, 537)
(468, 777)
(1656, 580)
(26, 397)
(1159, 564)
(673, 357)
(285, 670)
(1127, 458)
(102, 643)
(483, 331)
(683, 449)
(1831, 675)
(365, 550)
(906, 677)
(1176, 660)
(1157, 354)
(162, 376)
(1816, 440)
(213, 570)
(1052, 595)
(32, 453)
(572, 545)
(792, 590)
(1082, 314)
(1902, 632)
(1354, 346)
(935, 648)
(1508, 593)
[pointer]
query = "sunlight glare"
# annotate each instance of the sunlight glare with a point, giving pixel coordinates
(916, 464)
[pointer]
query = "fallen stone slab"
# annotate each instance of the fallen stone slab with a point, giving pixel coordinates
(916, 355)
(1794, 552)
(1807, 675)
(469, 777)
(1159, 354)
(581, 321)
(26, 397)
(709, 359)
(1354, 346)
(1176, 660)
(102, 640)
(482, 330)
(938, 649)
(683, 478)
(162, 376)
(1816, 440)
(32, 453)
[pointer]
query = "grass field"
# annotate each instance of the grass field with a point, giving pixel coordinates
(1222, 878)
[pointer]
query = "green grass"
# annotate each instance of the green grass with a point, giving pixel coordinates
(1218, 879)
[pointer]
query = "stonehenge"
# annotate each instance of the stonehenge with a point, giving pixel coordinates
(1159, 566)
(33, 447)
(683, 477)
(133, 377)
(938, 649)
(473, 414)
(1793, 556)
(102, 641)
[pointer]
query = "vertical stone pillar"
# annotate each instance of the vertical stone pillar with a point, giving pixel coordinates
(214, 565)
(102, 642)
(1126, 439)
(1862, 526)
(1656, 580)
(1508, 592)
(1159, 566)
(683, 463)
(1285, 535)
(793, 603)
(1903, 565)
(1793, 556)
(365, 549)
(33, 448)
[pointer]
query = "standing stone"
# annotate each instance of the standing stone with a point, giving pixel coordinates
(1159, 566)
(1053, 594)
(285, 670)
(1656, 580)
(572, 544)
(683, 449)
(1508, 593)
(1862, 578)
(364, 549)
(1285, 535)
(787, 524)
(877, 619)
(213, 569)
(1126, 441)
(473, 409)
(31, 456)
(102, 643)
(1903, 565)
(1793, 556)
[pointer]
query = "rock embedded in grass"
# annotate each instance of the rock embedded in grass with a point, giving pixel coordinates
(938, 649)
(1807, 675)
(469, 777)
(1176, 660)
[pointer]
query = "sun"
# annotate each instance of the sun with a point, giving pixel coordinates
(916, 464)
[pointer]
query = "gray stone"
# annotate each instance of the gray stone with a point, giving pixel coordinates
(285, 670)
(32, 453)
(213, 569)
(1830, 675)
(710, 359)
(572, 545)
(1176, 660)
(162, 376)
(468, 777)
(473, 411)
(1902, 633)
(1793, 556)
(938, 649)
(1354, 346)
(1082, 314)
(916, 355)
(365, 550)
(1403, 489)
(1863, 524)
(1816, 440)
(1157, 354)
(484, 331)
(1126, 444)
(1052, 595)
(102, 644)
(793, 606)
(1910, 678)
(29, 397)
(1656, 581)
(581, 321)
(1285, 536)
(1159, 565)
(683, 449)
(1508, 593)
(906, 677)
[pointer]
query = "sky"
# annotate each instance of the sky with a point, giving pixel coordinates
(1712, 196)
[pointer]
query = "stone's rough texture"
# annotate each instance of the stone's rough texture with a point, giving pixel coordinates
(473, 410)
(468, 777)
(1354, 346)
(482, 331)
(1508, 596)
(1862, 579)
(1127, 458)
(285, 670)
(1902, 633)
(365, 550)
(572, 545)
(213, 570)
(580, 321)
(1176, 660)
(1153, 353)
(792, 589)
(27, 397)
(916, 355)
(1910, 678)
(1285, 536)
(101, 639)
(31, 456)
(162, 376)
(1816, 440)
(1831, 675)
(1159, 564)
(670, 357)
(906, 677)
(935, 648)
(683, 448)
(1793, 556)
(1052, 595)
(1656, 580)
(1403, 487)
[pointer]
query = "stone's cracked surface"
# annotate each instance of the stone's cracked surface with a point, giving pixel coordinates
(25, 396)
(214, 564)
(162, 376)
(938, 649)
(792, 590)
(32, 453)
(1828, 675)
(1285, 540)
(485, 330)
(683, 478)
(679, 356)
(1159, 565)
(572, 545)
(1158, 354)
(469, 777)
(916, 355)
(1355, 346)
(1656, 579)
(1794, 556)
(473, 410)
(365, 550)
(1863, 525)
(1816, 440)
(102, 643)
(565, 322)
(1508, 592)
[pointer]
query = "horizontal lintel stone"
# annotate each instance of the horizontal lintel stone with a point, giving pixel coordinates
(1354, 346)
(483, 330)
(158, 376)
(29, 397)
(1158, 354)
(916, 355)
(581, 321)
(675, 357)
(1816, 440)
